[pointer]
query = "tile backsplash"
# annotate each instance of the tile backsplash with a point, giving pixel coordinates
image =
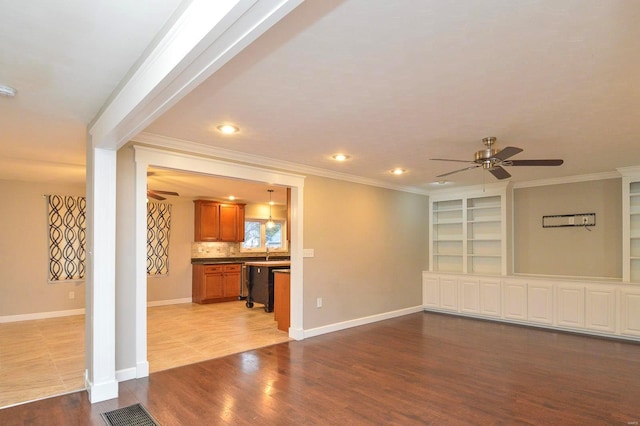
(202, 250)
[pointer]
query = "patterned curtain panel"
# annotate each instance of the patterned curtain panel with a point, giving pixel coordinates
(67, 237)
(158, 230)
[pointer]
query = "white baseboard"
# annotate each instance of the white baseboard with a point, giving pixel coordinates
(41, 315)
(125, 374)
(360, 321)
(81, 311)
(296, 333)
(168, 302)
(101, 392)
(142, 369)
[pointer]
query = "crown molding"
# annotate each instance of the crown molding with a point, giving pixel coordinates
(568, 179)
(257, 160)
(631, 172)
(474, 190)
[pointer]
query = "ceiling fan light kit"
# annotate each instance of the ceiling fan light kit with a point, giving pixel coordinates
(492, 160)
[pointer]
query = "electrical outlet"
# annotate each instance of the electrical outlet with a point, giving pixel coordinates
(585, 220)
(72, 295)
(319, 302)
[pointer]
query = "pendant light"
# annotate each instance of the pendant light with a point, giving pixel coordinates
(270, 223)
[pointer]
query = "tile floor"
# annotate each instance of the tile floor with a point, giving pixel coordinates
(42, 358)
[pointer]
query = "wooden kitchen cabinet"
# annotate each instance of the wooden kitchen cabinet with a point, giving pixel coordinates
(282, 299)
(216, 221)
(216, 283)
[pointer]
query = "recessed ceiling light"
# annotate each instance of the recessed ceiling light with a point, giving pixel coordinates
(340, 157)
(440, 182)
(231, 197)
(228, 129)
(7, 91)
(398, 171)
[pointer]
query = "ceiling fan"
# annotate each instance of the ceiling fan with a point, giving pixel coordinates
(156, 194)
(492, 159)
(151, 193)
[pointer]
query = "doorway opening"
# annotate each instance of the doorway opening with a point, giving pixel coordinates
(145, 157)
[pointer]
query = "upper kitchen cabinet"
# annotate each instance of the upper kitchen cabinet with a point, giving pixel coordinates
(216, 221)
(469, 231)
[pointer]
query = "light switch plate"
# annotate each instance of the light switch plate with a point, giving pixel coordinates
(308, 253)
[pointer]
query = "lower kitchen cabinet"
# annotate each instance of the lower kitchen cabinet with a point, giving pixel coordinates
(216, 283)
(282, 299)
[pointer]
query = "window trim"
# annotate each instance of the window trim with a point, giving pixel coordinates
(262, 248)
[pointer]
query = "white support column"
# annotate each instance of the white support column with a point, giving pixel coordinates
(142, 364)
(204, 38)
(296, 329)
(100, 300)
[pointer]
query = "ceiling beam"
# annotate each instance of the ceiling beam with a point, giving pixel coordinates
(204, 38)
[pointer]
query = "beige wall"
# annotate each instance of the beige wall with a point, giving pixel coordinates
(177, 284)
(261, 211)
(370, 250)
(23, 251)
(571, 251)
(370, 245)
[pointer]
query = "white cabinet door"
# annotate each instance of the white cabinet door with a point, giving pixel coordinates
(570, 305)
(515, 300)
(601, 308)
(540, 302)
(430, 291)
(469, 296)
(449, 293)
(630, 311)
(490, 297)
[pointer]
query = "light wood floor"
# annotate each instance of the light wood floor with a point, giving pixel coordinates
(42, 358)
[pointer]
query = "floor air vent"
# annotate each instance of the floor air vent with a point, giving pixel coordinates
(133, 415)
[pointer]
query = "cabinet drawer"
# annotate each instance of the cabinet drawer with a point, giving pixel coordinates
(236, 267)
(212, 268)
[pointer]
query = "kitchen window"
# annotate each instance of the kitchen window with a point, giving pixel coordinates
(257, 237)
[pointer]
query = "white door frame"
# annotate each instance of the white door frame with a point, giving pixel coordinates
(145, 157)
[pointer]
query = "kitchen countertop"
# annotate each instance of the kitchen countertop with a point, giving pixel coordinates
(223, 260)
(269, 263)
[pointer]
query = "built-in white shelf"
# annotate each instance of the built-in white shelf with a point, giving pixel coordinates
(476, 222)
(631, 224)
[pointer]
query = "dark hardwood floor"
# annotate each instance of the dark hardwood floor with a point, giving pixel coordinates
(418, 369)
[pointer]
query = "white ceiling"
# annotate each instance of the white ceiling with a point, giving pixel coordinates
(390, 83)
(65, 58)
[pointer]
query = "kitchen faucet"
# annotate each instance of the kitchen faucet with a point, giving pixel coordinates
(267, 253)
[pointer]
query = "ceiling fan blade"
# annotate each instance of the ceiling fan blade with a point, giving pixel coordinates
(446, 159)
(499, 172)
(150, 194)
(460, 170)
(550, 162)
(165, 192)
(507, 152)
